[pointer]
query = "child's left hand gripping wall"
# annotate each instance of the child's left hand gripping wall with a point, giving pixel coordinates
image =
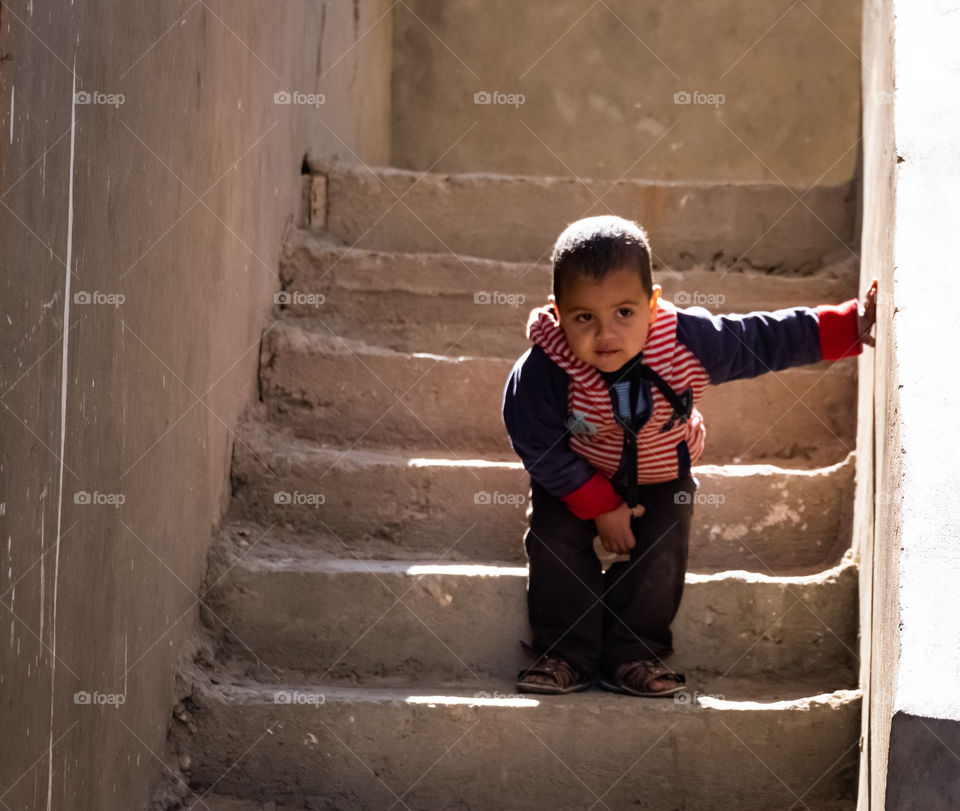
(867, 315)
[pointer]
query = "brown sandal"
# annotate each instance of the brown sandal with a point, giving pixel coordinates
(565, 677)
(635, 679)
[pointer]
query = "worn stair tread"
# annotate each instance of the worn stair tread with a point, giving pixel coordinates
(711, 691)
(294, 608)
(422, 302)
(517, 218)
(760, 687)
(760, 517)
(222, 802)
(265, 434)
(430, 746)
(294, 557)
(361, 658)
(289, 539)
(325, 386)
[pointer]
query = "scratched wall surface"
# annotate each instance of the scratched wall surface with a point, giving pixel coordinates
(145, 216)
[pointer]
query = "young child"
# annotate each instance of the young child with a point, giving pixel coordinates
(602, 412)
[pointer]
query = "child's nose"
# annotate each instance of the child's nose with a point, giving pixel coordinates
(604, 330)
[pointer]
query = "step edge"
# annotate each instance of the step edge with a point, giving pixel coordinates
(311, 341)
(324, 168)
(425, 696)
(387, 457)
(299, 560)
(318, 241)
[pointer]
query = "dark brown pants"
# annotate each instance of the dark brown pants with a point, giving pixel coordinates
(595, 619)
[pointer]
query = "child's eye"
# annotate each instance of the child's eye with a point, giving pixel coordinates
(625, 312)
(583, 318)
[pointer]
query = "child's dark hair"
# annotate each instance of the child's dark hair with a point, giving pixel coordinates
(595, 246)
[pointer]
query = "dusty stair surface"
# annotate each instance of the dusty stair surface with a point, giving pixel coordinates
(366, 594)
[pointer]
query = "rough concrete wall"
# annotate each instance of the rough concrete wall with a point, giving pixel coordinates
(599, 79)
(909, 604)
(876, 527)
(174, 198)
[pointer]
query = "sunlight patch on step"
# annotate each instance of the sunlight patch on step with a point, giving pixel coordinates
(480, 700)
(432, 356)
(836, 699)
(743, 576)
(424, 461)
(468, 570)
(734, 470)
(388, 567)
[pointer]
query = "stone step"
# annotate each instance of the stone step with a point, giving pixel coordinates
(442, 303)
(517, 218)
(292, 608)
(338, 390)
(220, 802)
(355, 503)
(491, 749)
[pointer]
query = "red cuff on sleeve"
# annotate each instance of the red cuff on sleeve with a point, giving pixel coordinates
(593, 498)
(839, 333)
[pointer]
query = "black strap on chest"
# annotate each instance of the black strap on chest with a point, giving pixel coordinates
(635, 372)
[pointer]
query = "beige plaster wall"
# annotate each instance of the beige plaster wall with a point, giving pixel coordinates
(599, 77)
(174, 198)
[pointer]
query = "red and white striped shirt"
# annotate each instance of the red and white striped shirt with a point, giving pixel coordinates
(594, 431)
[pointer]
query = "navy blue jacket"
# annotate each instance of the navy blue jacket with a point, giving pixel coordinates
(729, 347)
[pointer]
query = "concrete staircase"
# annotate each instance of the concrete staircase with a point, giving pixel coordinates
(366, 594)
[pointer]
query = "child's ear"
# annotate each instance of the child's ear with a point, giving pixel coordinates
(654, 300)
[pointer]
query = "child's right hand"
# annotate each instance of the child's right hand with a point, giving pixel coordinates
(614, 528)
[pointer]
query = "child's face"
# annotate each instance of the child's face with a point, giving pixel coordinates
(606, 321)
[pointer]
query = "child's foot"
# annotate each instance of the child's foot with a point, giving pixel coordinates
(552, 675)
(644, 677)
